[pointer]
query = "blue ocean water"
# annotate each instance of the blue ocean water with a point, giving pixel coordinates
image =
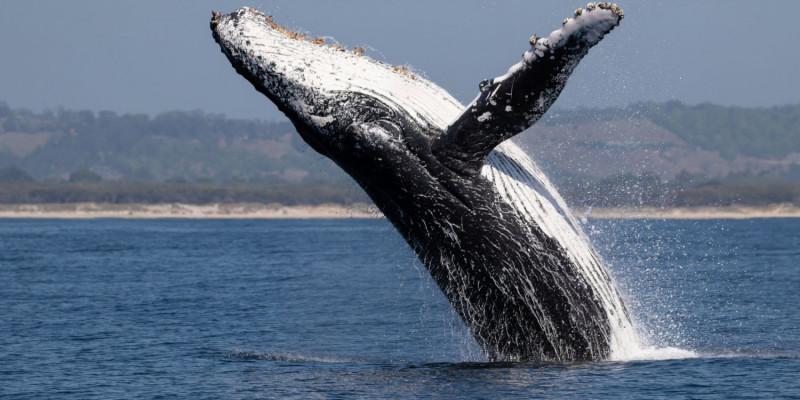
(104, 309)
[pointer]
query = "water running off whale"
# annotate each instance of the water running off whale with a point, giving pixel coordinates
(489, 226)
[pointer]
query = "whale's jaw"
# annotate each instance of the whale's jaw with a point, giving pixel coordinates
(488, 225)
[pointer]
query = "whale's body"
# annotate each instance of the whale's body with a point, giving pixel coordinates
(489, 226)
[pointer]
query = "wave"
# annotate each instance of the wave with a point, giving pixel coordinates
(643, 354)
(289, 357)
(655, 353)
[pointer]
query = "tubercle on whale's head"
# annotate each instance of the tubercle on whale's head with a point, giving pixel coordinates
(275, 60)
(322, 87)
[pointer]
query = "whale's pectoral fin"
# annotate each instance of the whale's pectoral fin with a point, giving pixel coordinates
(509, 104)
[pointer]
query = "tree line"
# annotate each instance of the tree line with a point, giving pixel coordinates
(173, 145)
(149, 192)
(194, 144)
(197, 157)
(17, 187)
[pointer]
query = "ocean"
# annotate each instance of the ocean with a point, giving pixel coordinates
(305, 309)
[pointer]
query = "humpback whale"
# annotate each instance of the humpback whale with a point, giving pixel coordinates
(488, 225)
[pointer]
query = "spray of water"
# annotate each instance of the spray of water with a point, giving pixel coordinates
(529, 190)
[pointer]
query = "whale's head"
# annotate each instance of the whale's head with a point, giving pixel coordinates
(338, 99)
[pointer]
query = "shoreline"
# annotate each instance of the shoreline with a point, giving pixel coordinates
(698, 212)
(189, 211)
(359, 210)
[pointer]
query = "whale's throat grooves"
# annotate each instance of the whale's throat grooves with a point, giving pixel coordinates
(489, 226)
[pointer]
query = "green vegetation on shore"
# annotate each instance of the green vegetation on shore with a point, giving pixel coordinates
(63, 156)
(172, 145)
(173, 192)
(617, 191)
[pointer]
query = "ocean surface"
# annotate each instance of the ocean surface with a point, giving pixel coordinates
(305, 309)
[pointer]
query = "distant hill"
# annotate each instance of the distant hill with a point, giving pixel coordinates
(666, 140)
(177, 145)
(653, 153)
(669, 140)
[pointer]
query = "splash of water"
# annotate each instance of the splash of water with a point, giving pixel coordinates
(523, 185)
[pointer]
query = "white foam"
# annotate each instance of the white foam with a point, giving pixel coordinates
(655, 353)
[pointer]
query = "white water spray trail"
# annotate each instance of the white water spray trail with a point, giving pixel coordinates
(519, 180)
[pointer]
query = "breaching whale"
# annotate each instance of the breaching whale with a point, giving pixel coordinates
(488, 225)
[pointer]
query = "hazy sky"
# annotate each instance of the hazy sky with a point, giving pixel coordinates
(154, 55)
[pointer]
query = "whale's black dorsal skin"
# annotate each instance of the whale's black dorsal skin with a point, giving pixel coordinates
(488, 225)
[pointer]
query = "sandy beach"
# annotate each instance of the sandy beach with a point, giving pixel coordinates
(177, 210)
(257, 210)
